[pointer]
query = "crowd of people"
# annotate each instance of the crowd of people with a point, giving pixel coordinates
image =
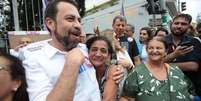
(109, 65)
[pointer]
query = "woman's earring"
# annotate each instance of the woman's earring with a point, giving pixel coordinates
(15, 89)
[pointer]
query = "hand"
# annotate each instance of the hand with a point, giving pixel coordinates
(125, 63)
(116, 73)
(97, 31)
(74, 56)
(182, 50)
(19, 46)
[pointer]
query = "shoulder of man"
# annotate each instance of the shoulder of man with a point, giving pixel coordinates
(36, 46)
(33, 48)
(30, 49)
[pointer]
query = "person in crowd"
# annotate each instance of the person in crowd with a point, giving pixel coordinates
(161, 32)
(145, 36)
(12, 79)
(120, 54)
(89, 35)
(198, 29)
(184, 50)
(155, 80)
(24, 41)
(191, 31)
(58, 69)
(129, 31)
(100, 55)
(118, 25)
(82, 37)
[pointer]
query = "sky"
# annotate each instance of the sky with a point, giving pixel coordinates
(90, 3)
(193, 6)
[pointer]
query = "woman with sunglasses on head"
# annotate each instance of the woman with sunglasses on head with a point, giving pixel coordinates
(12, 79)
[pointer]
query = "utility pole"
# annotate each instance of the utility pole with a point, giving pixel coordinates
(153, 10)
(164, 16)
(179, 10)
(15, 15)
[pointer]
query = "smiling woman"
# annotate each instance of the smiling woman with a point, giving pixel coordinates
(155, 80)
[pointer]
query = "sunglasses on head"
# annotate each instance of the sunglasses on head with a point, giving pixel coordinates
(3, 68)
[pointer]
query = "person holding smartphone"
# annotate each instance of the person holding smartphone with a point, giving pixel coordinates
(184, 50)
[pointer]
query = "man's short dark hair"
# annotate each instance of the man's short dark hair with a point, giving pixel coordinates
(132, 27)
(161, 29)
(187, 17)
(52, 9)
(121, 18)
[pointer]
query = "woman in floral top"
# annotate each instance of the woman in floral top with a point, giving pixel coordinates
(155, 80)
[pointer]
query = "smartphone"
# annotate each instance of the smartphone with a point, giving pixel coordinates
(186, 43)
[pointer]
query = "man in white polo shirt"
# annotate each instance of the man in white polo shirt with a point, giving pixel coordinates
(59, 69)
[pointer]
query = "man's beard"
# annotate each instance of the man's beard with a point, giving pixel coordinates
(180, 33)
(65, 40)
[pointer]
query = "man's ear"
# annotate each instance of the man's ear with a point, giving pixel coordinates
(50, 23)
(16, 84)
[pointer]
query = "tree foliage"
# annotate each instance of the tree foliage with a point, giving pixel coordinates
(81, 4)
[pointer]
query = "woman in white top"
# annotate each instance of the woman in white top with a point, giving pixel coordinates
(145, 36)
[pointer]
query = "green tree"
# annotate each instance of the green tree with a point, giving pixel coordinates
(81, 4)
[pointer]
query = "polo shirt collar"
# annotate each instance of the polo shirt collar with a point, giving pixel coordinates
(50, 50)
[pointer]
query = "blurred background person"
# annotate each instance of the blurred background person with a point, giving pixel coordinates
(82, 37)
(155, 80)
(129, 31)
(161, 32)
(198, 29)
(12, 79)
(24, 41)
(145, 36)
(119, 23)
(191, 31)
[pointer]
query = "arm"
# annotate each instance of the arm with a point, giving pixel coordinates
(188, 66)
(179, 51)
(65, 86)
(125, 63)
(126, 99)
(110, 88)
(137, 60)
(135, 52)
